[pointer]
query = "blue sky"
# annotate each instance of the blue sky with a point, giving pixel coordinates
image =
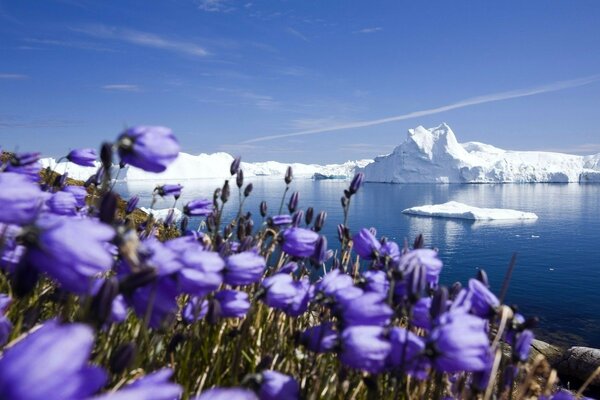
(222, 73)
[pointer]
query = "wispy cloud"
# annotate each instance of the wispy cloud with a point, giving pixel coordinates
(215, 5)
(121, 87)
(144, 39)
(64, 43)
(13, 77)
(15, 122)
(489, 98)
(262, 101)
(296, 33)
(370, 30)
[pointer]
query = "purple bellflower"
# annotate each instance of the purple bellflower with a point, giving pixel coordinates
(51, 363)
(169, 190)
(62, 203)
(198, 208)
(79, 192)
(202, 271)
(321, 338)
(406, 353)
(72, 251)
(422, 257)
(368, 309)
(155, 386)
(20, 199)
(483, 301)
(157, 300)
(299, 242)
(286, 294)
(365, 348)
(83, 157)
(151, 148)
(459, 343)
(244, 268)
(232, 303)
(366, 244)
(277, 386)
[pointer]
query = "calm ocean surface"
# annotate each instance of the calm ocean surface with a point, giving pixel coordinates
(557, 276)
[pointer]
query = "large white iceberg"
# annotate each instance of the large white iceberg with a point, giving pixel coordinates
(435, 156)
(210, 166)
(454, 209)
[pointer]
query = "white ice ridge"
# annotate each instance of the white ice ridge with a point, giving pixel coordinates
(208, 166)
(454, 209)
(162, 214)
(435, 156)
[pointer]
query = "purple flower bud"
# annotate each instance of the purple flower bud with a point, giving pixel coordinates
(122, 358)
(299, 242)
(62, 203)
(320, 221)
(169, 190)
(365, 348)
(309, 215)
(483, 278)
(368, 309)
(106, 155)
(83, 157)
(366, 244)
(151, 148)
(101, 306)
(277, 386)
(108, 208)
(25, 159)
(20, 199)
(5, 329)
(239, 179)
(235, 165)
(132, 204)
(56, 360)
(320, 339)
(263, 208)
(234, 304)
(198, 207)
(293, 203)
(288, 268)
(419, 242)
(439, 305)
(297, 217)
(455, 289)
(321, 254)
(288, 175)
(356, 183)
(248, 189)
(225, 192)
(244, 268)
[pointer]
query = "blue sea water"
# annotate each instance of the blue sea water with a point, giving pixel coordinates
(557, 275)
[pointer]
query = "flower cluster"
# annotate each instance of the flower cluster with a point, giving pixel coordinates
(102, 303)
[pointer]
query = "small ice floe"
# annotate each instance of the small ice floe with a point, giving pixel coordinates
(534, 236)
(162, 214)
(454, 209)
(551, 269)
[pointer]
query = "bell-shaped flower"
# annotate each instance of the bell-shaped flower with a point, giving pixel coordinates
(459, 343)
(483, 301)
(407, 353)
(333, 282)
(365, 348)
(233, 303)
(83, 157)
(198, 208)
(157, 300)
(62, 203)
(376, 281)
(299, 242)
(284, 293)
(70, 250)
(151, 148)
(20, 199)
(522, 347)
(366, 244)
(277, 386)
(227, 394)
(79, 192)
(421, 313)
(154, 386)
(244, 268)
(368, 309)
(422, 257)
(202, 272)
(51, 363)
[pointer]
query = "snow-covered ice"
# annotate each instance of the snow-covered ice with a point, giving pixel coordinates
(454, 209)
(161, 214)
(435, 156)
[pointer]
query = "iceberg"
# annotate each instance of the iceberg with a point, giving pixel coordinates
(161, 214)
(435, 156)
(454, 209)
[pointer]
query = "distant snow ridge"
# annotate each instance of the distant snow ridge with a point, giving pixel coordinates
(435, 156)
(454, 209)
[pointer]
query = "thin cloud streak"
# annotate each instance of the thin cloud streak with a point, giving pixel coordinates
(123, 87)
(489, 98)
(13, 77)
(144, 39)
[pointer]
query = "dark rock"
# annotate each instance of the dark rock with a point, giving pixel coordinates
(580, 363)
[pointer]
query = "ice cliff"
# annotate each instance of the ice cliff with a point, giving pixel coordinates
(435, 156)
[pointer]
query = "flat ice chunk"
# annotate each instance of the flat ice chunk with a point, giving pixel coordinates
(454, 209)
